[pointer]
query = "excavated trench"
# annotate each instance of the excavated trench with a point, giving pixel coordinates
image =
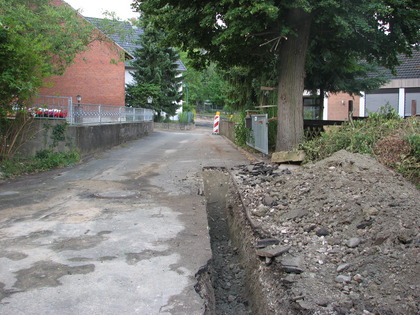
(231, 281)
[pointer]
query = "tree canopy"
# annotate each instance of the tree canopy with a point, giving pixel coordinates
(204, 85)
(155, 76)
(315, 39)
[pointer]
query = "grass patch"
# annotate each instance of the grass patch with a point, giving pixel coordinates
(43, 160)
(393, 141)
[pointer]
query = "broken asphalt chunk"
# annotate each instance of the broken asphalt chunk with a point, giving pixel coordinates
(272, 251)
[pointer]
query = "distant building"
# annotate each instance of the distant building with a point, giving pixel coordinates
(402, 92)
(92, 75)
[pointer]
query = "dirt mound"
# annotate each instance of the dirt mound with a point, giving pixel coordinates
(344, 234)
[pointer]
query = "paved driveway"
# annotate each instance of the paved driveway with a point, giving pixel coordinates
(123, 233)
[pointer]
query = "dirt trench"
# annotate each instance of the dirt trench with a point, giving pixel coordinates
(231, 281)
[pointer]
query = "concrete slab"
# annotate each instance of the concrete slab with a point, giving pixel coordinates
(287, 156)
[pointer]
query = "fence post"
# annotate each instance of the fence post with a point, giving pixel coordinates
(70, 110)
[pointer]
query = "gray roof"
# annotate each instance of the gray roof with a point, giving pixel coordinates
(128, 39)
(408, 69)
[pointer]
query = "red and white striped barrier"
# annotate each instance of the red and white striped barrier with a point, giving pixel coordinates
(216, 123)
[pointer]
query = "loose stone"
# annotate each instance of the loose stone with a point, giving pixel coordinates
(342, 279)
(267, 242)
(358, 278)
(322, 303)
(272, 251)
(342, 267)
(370, 211)
(269, 201)
(353, 242)
(322, 232)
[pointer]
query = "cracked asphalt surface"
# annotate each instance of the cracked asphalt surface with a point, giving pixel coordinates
(123, 233)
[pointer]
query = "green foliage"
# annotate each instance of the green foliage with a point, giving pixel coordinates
(394, 141)
(252, 33)
(326, 39)
(205, 85)
(385, 114)
(414, 142)
(183, 117)
(155, 75)
(14, 130)
(241, 132)
(37, 40)
(227, 109)
(58, 133)
(43, 160)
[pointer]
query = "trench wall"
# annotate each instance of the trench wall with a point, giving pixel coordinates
(244, 237)
(87, 140)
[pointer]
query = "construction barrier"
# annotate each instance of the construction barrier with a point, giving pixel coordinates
(216, 123)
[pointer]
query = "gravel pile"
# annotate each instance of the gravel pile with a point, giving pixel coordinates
(339, 237)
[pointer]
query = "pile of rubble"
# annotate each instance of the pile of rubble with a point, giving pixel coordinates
(340, 236)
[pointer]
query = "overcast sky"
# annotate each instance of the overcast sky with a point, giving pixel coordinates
(95, 8)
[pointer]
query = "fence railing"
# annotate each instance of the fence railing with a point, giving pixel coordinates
(51, 107)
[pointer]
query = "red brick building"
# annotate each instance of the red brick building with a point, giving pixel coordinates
(93, 75)
(340, 105)
(337, 106)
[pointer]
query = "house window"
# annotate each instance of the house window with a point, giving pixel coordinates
(311, 108)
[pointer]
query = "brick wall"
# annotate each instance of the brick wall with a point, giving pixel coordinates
(339, 111)
(92, 75)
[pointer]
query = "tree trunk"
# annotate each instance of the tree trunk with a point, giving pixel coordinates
(291, 81)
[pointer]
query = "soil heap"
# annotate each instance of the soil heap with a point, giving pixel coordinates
(340, 236)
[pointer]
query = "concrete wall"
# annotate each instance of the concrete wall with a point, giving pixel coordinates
(227, 129)
(86, 140)
(93, 139)
(174, 126)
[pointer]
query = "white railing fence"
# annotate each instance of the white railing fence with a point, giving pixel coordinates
(53, 107)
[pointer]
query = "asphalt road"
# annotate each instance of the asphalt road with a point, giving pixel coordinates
(123, 233)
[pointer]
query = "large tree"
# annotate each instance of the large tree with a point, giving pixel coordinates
(156, 75)
(256, 32)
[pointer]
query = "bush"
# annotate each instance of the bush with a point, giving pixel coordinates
(43, 160)
(393, 141)
(241, 132)
(186, 117)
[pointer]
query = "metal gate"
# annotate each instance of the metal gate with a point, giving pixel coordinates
(258, 136)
